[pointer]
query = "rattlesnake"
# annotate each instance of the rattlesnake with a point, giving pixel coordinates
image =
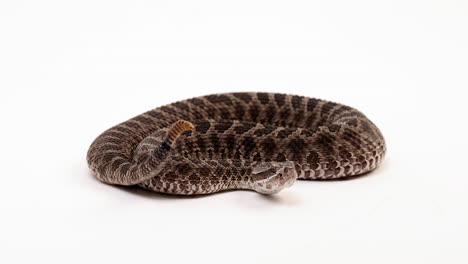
(257, 141)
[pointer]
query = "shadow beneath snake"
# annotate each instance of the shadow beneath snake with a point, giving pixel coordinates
(142, 192)
(282, 198)
(139, 191)
(273, 198)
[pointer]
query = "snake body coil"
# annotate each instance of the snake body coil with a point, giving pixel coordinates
(256, 141)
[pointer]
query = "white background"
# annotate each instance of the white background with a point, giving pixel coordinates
(71, 69)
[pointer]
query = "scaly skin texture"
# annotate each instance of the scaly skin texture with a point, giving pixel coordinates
(256, 141)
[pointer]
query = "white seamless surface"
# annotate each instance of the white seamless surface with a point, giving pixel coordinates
(69, 70)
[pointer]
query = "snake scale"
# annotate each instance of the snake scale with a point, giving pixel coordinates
(255, 141)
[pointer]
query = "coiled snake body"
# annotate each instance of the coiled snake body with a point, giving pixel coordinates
(256, 141)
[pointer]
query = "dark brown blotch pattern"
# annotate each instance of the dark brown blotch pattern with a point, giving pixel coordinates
(330, 139)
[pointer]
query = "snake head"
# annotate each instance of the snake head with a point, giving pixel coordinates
(272, 177)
